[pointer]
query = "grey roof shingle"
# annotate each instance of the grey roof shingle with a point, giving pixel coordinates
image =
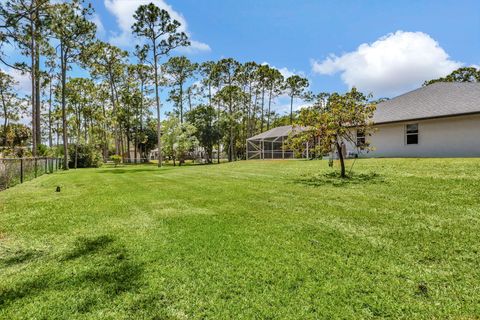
(282, 131)
(440, 99)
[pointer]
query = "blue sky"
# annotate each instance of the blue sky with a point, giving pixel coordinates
(382, 47)
(291, 34)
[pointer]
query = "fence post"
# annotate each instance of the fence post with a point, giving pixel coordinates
(21, 170)
(35, 161)
(46, 164)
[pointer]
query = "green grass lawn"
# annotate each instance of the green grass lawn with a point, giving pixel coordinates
(245, 240)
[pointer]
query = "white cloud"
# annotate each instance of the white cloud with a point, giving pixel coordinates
(393, 64)
(24, 83)
(123, 11)
(285, 71)
(284, 108)
(281, 105)
(98, 22)
(195, 46)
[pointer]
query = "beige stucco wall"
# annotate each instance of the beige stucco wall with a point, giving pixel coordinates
(446, 137)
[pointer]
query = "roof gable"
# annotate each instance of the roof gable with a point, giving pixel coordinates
(440, 99)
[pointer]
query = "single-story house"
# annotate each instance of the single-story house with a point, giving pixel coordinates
(439, 120)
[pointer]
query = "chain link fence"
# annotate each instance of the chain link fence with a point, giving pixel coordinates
(18, 170)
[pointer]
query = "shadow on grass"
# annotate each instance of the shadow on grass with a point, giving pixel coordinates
(24, 289)
(334, 179)
(97, 264)
(84, 246)
(123, 170)
(18, 257)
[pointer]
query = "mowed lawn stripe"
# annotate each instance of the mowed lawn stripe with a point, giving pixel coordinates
(255, 239)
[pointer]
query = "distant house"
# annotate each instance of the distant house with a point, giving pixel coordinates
(439, 120)
(153, 155)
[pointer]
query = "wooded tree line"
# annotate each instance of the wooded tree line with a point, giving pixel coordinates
(219, 103)
(216, 104)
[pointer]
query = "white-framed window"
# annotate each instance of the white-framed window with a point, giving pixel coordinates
(360, 138)
(411, 133)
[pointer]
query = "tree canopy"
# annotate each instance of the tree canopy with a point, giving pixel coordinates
(465, 74)
(327, 129)
(115, 107)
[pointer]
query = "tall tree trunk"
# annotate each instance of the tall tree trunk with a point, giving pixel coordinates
(218, 128)
(190, 100)
(232, 138)
(209, 93)
(50, 142)
(342, 161)
(181, 102)
(157, 100)
(142, 150)
(128, 147)
(32, 73)
(91, 134)
(263, 108)
(85, 128)
(76, 154)
(64, 114)
(105, 140)
(122, 147)
(269, 110)
(135, 140)
(135, 143)
(245, 124)
(38, 133)
(5, 119)
(58, 132)
(249, 111)
(114, 111)
(79, 132)
(76, 145)
(254, 114)
(291, 109)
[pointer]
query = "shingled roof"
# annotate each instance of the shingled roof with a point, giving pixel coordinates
(282, 131)
(441, 99)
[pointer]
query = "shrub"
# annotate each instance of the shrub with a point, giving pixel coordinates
(42, 150)
(116, 159)
(87, 157)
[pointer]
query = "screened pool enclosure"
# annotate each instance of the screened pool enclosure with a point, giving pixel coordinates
(270, 144)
